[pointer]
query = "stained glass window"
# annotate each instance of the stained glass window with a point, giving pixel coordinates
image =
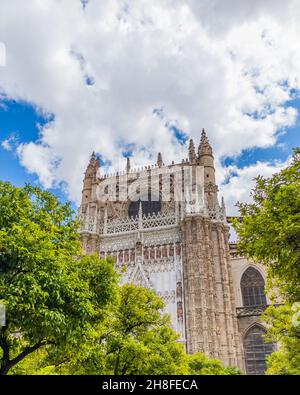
(253, 288)
(256, 350)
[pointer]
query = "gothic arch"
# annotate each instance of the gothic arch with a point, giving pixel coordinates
(256, 267)
(256, 350)
(253, 288)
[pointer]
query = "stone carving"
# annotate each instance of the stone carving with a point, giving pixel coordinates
(167, 296)
(250, 311)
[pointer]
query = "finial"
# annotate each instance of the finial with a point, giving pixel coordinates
(204, 146)
(93, 166)
(140, 212)
(94, 160)
(222, 202)
(223, 208)
(128, 165)
(159, 160)
(192, 154)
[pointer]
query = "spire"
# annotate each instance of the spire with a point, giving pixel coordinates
(204, 146)
(140, 215)
(192, 154)
(140, 208)
(128, 165)
(93, 165)
(94, 161)
(223, 203)
(206, 159)
(223, 208)
(159, 160)
(91, 174)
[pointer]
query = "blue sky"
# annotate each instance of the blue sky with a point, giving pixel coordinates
(286, 141)
(22, 122)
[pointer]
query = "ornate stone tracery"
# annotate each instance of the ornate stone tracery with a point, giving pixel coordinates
(256, 350)
(253, 288)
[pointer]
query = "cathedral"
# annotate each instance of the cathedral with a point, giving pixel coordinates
(179, 244)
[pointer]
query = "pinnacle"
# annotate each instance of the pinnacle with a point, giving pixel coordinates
(128, 166)
(159, 160)
(204, 146)
(204, 138)
(192, 154)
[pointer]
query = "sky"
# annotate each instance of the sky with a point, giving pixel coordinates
(132, 78)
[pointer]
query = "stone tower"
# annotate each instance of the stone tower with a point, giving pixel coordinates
(89, 204)
(208, 286)
(180, 249)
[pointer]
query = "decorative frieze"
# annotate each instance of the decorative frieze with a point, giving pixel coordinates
(249, 311)
(160, 265)
(167, 296)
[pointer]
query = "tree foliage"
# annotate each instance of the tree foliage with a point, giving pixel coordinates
(51, 292)
(270, 230)
(66, 312)
(283, 323)
(270, 234)
(136, 338)
(200, 364)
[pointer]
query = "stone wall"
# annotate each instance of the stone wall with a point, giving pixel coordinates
(211, 323)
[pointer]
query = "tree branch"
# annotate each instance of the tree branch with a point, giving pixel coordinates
(8, 364)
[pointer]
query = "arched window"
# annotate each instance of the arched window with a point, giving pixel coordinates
(253, 288)
(148, 207)
(256, 350)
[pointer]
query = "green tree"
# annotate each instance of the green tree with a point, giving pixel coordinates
(142, 340)
(270, 229)
(269, 233)
(66, 313)
(283, 324)
(53, 295)
(135, 338)
(200, 364)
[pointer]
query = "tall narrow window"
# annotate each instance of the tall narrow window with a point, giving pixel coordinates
(256, 350)
(253, 288)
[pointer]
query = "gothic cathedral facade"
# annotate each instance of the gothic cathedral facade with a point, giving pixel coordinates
(182, 251)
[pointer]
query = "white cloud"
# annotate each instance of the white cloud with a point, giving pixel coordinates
(226, 66)
(10, 142)
(240, 181)
(2, 55)
(38, 159)
(6, 145)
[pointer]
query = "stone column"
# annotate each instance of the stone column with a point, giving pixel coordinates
(211, 324)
